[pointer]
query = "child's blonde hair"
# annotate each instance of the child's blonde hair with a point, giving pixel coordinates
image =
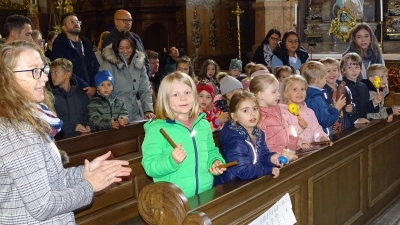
(330, 60)
(352, 57)
(63, 63)
(313, 70)
(163, 109)
(257, 67)
(375, 68)
(238, 98)
(260, 83)
(290, 80)
(277, 71)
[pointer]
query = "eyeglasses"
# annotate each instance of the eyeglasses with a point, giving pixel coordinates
(293, 41)
(126, 20)
(37, 72)
(75, 22)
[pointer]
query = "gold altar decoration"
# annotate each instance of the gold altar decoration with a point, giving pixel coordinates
(238, 11)
(342, 25)
(68, 6)
(8, 5)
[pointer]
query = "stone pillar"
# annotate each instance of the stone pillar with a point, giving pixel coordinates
(272, 14)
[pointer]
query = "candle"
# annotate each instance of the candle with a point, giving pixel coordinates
(381, 9)
(295, 13)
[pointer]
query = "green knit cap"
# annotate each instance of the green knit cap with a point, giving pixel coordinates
(235, 63)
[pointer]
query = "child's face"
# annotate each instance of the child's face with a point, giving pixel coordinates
(105, 88)
(231, 93)
(235, 72)
(210, 70)
(205, 100)
(183, 67)
(295, 93)
(247, 115)
(181, 100)
(363, 38)
(384, 78)
(59, 75)
(351, 70)
(332, 73)
(283, 75)
(270, 95)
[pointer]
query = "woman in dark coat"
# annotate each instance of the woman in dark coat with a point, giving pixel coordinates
(264, 52)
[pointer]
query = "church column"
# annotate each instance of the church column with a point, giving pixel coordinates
(272, 14)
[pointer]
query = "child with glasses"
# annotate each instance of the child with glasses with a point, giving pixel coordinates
(70, 100)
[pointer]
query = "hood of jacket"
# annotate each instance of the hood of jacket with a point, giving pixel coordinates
(138, 58)
(283, 55)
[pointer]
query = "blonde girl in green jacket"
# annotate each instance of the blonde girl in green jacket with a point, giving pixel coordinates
(193, 163)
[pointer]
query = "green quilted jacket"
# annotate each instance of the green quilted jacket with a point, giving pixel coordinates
(100, 110)
(192, 175)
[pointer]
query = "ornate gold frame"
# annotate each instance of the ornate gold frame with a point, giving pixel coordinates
(342, 25)
(8, 5)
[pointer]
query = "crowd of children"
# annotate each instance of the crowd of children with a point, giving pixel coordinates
(260, 115)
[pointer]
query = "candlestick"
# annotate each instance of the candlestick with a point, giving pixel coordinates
(381, 9)
(238, 11)
(295, 13)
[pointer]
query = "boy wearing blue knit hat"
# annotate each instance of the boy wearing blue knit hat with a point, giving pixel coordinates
(105, 110)
(235, 68)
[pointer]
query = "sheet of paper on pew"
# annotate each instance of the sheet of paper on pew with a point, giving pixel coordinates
(137, 121)
(280, 213)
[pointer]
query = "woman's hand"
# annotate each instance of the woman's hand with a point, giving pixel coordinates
(122, 121)
(148, 115)
(214, 170)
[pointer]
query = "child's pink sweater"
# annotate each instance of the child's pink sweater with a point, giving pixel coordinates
(313, 131)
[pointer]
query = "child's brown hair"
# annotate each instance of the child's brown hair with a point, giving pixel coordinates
(279, 69)
(63, 63)
(203, 71)
(352, 57)
(238, 98)
(330, 60)
(186, 59)
(313, 70)
(375, 68)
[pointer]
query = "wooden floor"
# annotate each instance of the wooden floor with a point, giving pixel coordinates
(391, 216)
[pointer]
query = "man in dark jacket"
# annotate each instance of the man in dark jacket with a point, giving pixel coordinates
(123, 22)
(77, 49)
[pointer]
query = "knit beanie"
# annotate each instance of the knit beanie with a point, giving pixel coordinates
(235, 64)
(206, 87)
(229, 83)
(103, 76)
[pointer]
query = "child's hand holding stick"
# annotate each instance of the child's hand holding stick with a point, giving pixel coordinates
(178, 154)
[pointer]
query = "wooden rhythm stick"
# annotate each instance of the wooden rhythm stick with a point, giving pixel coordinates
(321, 143)
(233, 163)
(166, 136)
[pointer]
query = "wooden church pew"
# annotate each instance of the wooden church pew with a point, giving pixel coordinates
(352, 182)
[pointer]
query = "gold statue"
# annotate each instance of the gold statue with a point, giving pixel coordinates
(68, 6)
(342, 25)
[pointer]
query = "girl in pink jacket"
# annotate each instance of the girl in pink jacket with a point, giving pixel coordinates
(278, 135)
(306, 124)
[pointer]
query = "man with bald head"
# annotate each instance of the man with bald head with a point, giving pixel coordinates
(123, 22)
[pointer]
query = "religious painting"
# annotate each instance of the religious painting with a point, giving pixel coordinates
(360, 9)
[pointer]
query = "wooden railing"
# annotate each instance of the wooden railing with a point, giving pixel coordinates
(352, 182)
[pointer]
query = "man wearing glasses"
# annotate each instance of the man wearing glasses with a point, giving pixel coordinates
(77, 49)
(123, 22)
(17, 27)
